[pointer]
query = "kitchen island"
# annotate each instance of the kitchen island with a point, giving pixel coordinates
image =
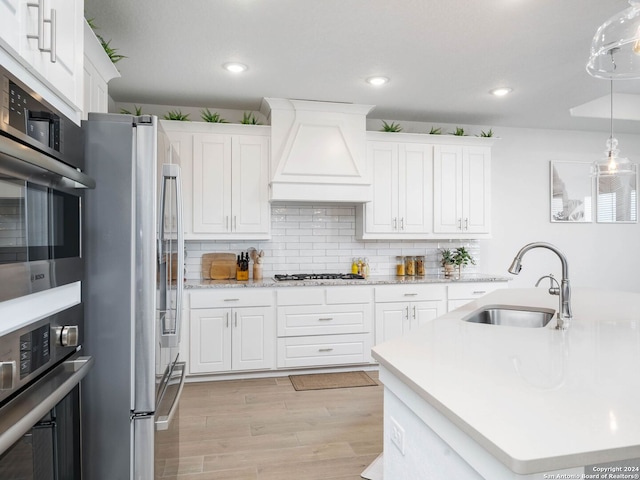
(472, 401)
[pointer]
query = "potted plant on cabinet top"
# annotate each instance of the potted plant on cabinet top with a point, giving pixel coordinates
(448, 262)
(462, 258)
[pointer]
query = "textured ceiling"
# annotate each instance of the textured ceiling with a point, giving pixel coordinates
(443, 56)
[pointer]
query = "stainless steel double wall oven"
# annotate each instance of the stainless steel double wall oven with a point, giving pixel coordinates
(41, 274)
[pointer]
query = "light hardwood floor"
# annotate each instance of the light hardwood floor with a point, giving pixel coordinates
(263, 429)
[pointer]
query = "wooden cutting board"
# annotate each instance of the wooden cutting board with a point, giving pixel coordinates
(218, 266)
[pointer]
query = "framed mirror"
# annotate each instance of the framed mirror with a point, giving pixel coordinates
(572, 192)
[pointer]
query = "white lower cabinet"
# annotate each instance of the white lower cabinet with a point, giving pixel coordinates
(324, 326)
(235, 338)
(401, 308)
(461, 294)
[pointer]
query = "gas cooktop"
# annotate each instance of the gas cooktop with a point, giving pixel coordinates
(318, 276)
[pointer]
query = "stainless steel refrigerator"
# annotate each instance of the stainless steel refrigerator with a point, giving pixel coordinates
(134, 256)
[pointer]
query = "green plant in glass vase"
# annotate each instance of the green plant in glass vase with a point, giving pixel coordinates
(447, 261)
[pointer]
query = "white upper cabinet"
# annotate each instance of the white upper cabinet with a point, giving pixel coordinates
(462, 177)
(42, 43)
(98, 71)
(426, 186)
(225, 179)
(10, 25)
(53, 44)
(402, 178)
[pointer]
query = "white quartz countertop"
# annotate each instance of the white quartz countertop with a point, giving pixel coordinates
(538, 399)
(372, 280)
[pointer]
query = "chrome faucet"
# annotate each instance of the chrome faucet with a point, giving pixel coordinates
(564, 314)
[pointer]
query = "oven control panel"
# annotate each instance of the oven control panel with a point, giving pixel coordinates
(30, 351)
(34, 350)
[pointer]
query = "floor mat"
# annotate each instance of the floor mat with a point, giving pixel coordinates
(321, 381)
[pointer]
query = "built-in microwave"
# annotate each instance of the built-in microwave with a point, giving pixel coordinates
(41, 184)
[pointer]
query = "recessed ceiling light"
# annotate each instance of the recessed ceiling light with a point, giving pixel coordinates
(377, 81)
(501, 91)
(235, 67)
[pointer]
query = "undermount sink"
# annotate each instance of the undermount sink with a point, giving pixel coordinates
(511, 316)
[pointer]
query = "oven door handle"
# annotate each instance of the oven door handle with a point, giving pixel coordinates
(24, 411)
(29, 164)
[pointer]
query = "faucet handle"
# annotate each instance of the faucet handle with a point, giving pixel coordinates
(552, 290)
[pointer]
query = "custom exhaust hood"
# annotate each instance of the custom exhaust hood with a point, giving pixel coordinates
(318, 151)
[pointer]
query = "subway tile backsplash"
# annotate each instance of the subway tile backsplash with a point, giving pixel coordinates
(321, 238)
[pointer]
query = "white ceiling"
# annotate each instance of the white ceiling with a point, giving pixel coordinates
(443, 56)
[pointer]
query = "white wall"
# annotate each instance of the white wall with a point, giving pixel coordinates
(600, 255)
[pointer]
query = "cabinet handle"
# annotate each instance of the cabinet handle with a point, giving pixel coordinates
(231, 299)
(407, 312)
(325, 319)
(459, 224)
(410, 294)
(227, 319)
(235, 223)
(226, 222)
(54, 28)
(414, 312)
(479, 292)
(53, 31)
(236, 319)
(325, 349)
(402, 223)
(40, 35)
(466, 224)
(395, 223)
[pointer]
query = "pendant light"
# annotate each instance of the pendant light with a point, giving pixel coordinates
(612, 164)
(615, 49)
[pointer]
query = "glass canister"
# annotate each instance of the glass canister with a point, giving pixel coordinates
(420, 266)
(410, 266)
(400, 272)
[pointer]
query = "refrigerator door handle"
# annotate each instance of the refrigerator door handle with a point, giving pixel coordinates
(171, 397)
(172, 319)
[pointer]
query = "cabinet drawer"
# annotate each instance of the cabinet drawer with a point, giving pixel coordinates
(323, 350)
(324, 320)
(232, 297)
(473, 290)
(349, 294)
(300, 296)
(410, 293)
